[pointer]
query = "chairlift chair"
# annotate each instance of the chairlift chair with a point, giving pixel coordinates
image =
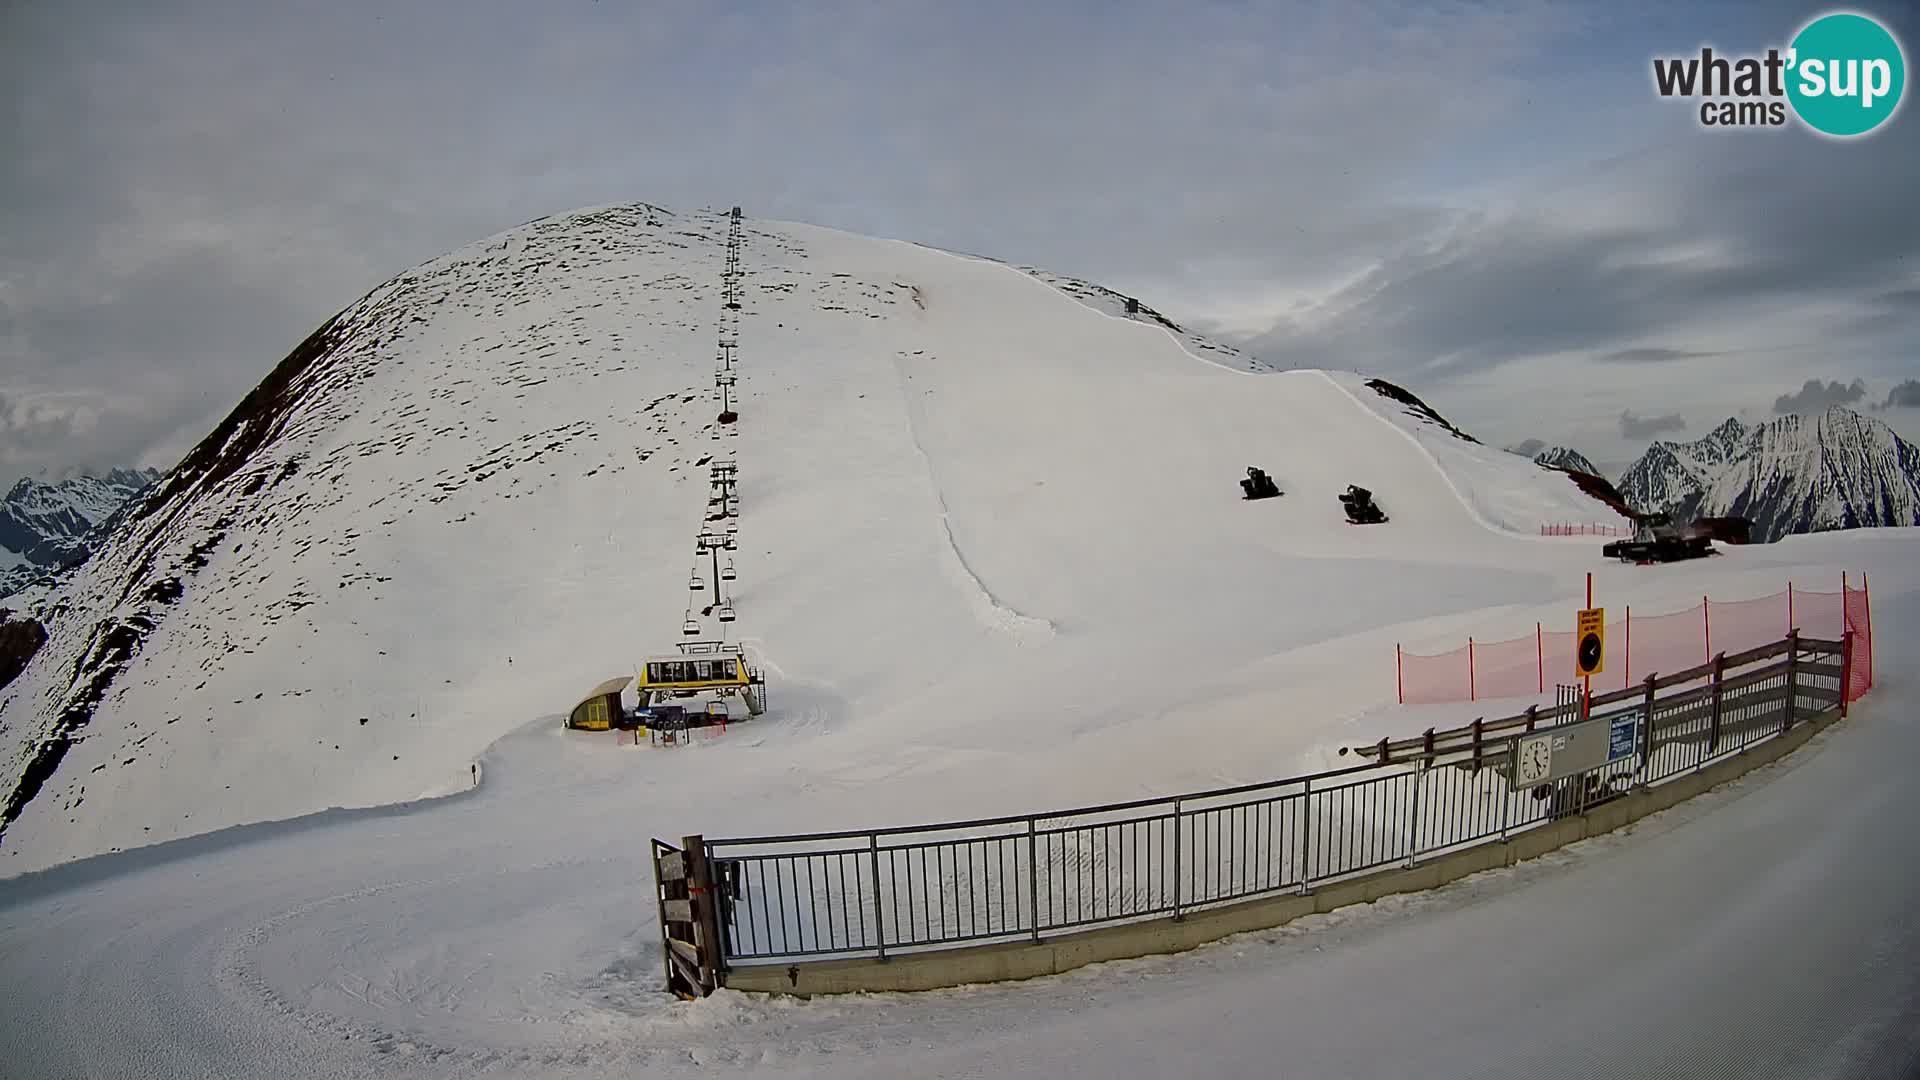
(726, 611)
(690, 628)
(727, 572)
(696, 583)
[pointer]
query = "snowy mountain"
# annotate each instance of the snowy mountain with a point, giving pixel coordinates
(1670, 474)
(971, 497)
(46, 526)
(1559, 457)
(1793, 474)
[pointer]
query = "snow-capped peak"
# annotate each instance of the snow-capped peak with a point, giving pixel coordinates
(45, 526)
(1792, 474)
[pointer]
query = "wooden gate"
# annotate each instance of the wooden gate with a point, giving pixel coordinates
(689, 917)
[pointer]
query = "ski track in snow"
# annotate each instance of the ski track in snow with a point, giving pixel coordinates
(991, 611)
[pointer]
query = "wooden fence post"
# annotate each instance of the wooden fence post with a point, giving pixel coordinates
(1793, 682)
(706, 914)
(1476, 743)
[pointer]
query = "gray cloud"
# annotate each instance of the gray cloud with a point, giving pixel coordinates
(1647, 427)
(1528, 448)
(1648, 356)
(1816, 396)
(1904, 395)
(217, 178)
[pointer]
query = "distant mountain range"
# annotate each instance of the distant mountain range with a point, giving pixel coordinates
(44, 527)
(1559, 457)
(1792, 474)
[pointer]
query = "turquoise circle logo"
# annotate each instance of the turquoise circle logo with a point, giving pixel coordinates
(1847, 74)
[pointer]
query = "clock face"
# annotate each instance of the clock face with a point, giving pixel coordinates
(1536, 756)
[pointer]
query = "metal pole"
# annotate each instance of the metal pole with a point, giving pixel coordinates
(1413, 818)
(879, 913)
(1793, 690)
(1033, 880)
(1306, 830)
(1176, 860)
(1706, 627)
(1506, 792)
(1866, 610)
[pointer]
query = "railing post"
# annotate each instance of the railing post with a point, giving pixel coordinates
(1033, 877)
(1846, 662)
(1646, 737)
(1177, 915)
(1506, 790)
(1413, 818)
(1713, 730)
(1793, 681)
(879, 914)
(1306, 830)
(1476, 744)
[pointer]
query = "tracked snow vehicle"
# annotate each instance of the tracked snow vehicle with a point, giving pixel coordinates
(1656, 539)
(1258, 485)
(1361, 509)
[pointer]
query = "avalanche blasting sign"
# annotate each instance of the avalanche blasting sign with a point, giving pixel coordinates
(1843, 75)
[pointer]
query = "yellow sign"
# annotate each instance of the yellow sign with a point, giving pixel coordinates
(1590, 642)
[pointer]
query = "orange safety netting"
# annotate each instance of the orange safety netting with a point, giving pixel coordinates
(1643, 645)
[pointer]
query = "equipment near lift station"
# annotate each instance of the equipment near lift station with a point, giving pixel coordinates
(1656, 539)
(715, 668)
(1361, 509)
(1258, 485)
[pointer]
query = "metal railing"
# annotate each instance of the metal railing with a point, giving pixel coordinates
(878, 892)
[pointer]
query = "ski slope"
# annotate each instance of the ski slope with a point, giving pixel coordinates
(994, 558)
(1759, 930)
(985, 521)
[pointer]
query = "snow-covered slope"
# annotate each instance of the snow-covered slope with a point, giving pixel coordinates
(45, 526)
(986, 528)
(1793, 474)
(1502, 491)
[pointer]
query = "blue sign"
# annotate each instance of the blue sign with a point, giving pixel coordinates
(1622, 733)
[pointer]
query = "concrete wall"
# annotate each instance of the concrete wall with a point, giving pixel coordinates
(1051, 955)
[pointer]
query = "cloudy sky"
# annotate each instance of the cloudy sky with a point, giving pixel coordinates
(1481, 199)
